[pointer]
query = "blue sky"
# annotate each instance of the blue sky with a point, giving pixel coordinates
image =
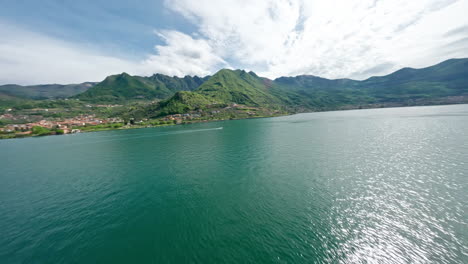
(53, 41)
(118, 27)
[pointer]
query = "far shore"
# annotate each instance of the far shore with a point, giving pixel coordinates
(137, 126)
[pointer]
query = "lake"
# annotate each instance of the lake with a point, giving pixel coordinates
(379, 185)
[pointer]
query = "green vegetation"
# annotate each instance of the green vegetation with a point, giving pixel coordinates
(432, 85)
(404, 87)
(228, 94)
(123, 87)
(8, 101)
(99, 127)
(183, 102)
(47, 91)
(169, 85)
(225, 88)
(240, 87)
(41, 131)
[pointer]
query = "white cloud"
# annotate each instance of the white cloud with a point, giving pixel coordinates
(182, 55)
(329, 38)
(31, 58)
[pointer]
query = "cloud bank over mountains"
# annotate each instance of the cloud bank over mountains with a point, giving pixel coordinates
(328, 38)
(333, 39)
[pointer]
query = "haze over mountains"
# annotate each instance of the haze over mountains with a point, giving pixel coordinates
(444, 82)
(44, 91)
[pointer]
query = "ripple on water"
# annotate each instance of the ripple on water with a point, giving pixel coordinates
(375, 186)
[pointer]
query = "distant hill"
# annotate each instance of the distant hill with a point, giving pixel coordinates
(8, 101)
(123, 87)
(435, 84)
(446, 82)
(46, 91)
(449, 78)
(405, 86)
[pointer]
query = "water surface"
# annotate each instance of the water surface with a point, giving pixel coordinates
(380, 185)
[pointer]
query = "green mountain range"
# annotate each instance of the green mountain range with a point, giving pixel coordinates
(238, 86)
(446, 82)
(123, 87)
(405, 86)
(45, 91)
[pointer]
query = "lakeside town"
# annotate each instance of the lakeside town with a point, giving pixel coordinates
(65, 127)
(38, 122)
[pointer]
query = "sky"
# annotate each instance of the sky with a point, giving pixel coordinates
(69, 41)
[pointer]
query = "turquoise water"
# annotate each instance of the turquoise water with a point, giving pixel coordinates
(381, 185)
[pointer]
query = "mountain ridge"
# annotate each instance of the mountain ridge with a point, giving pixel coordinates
(121, 87)
(406, 86)
(312, 93)
(45, 91)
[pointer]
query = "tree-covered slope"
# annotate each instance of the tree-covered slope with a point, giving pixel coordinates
(169, 85)
(122, 87)
(315, 93)
(45, 91)
(449, 78)
(183, 102)
(224, 88)
(240, 87)
(309, 93)
(446, 82)
(8, 101)
(118, 88)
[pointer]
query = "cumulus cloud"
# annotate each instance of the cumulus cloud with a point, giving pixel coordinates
(30, 58)
(330, 38)
(182, 55)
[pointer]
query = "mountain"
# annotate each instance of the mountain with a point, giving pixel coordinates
(119, 87)
(316, 93)
(435, 84)
(405, 86)
(8, 101)
(46, 91)
(446, 82)
(169, 85)
(181, 102)
(448, 78)
(238, 86)
(122, 87)
(224, 88)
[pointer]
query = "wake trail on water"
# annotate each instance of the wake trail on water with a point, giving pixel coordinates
(146, 135)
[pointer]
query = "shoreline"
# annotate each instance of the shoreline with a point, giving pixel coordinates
(140, 127)
(217, 120)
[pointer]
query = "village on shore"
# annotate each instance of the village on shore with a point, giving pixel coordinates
(20, 125)
(66, 126)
